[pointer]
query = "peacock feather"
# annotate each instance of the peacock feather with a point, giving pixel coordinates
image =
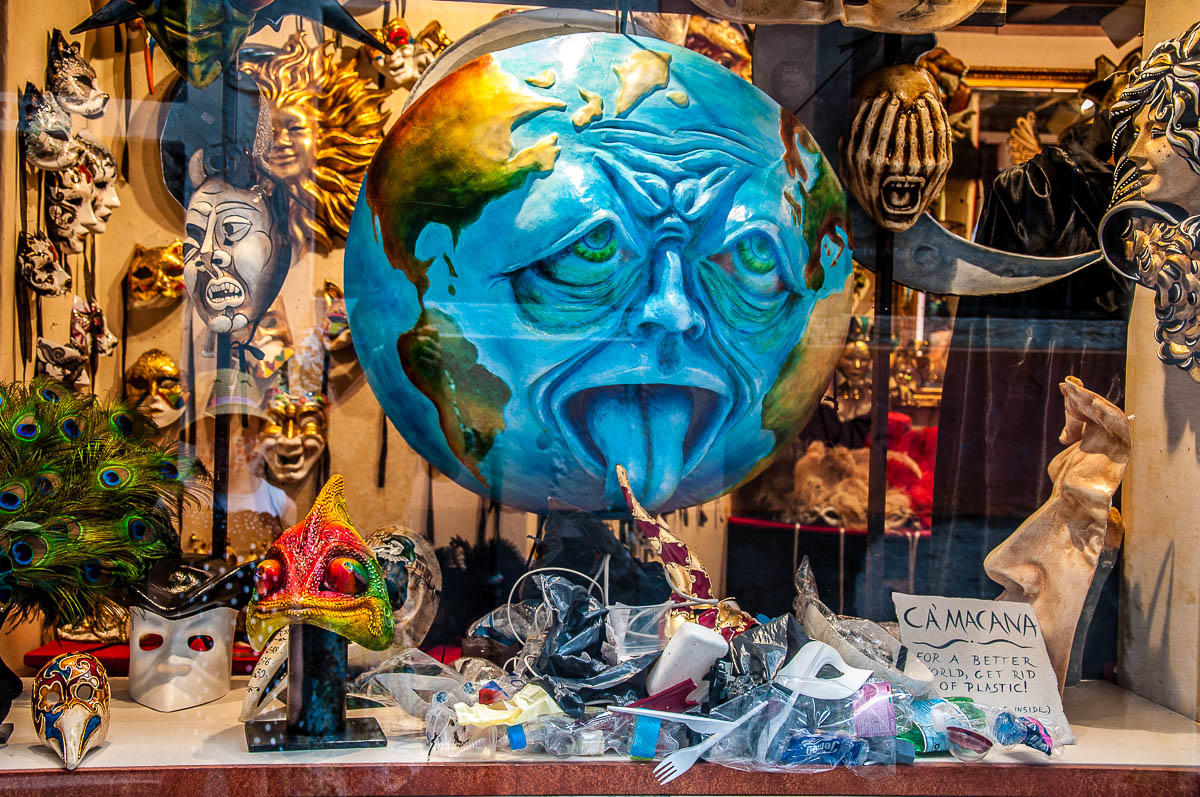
(89, 501)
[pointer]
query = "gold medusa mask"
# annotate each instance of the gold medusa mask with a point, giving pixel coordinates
(327, 122)
(293, 436)
(155, 274)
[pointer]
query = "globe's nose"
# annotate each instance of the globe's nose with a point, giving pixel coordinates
(668, 309)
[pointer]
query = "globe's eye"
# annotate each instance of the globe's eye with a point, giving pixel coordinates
(598, 244)
(756, 253)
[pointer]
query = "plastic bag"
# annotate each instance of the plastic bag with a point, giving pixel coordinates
(760, 651)
(509, 624)
(595, 735)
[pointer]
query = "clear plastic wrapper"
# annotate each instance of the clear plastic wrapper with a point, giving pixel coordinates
(509, 624)
(602, 734)
(976, 730)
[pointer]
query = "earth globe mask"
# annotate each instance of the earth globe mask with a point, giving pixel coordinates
(606, 267)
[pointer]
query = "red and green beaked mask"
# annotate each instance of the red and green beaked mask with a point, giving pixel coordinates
(320, 572)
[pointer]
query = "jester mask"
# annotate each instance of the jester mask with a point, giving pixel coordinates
(70, 705)
(154, 385)
(615, 250)
(293, 437)
(155, 274)
(72, 80)
(39, 265)
(45, 131)
(200, 37)
(321, 573)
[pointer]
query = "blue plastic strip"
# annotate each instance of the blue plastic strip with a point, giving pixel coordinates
(645, 738)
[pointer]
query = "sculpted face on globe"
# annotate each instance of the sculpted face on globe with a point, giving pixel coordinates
(610, 267)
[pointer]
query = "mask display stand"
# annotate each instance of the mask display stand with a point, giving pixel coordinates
(316, 714)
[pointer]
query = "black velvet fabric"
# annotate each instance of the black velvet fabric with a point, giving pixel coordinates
(1001, 410)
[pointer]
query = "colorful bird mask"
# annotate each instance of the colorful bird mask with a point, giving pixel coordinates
(70, 705)
(320, 572)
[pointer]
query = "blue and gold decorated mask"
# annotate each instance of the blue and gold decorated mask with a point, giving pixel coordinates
(70, 705)
(614, 251)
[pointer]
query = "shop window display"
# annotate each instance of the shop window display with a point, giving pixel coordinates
(651, 353)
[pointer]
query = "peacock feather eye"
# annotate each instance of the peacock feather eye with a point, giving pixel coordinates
(47, 483)
(113, 476)
(94, 573)
(28, 550)
(26, 427)
(138, 529)
(12, 496)
(168, 470)
(52, 393)
(124, 424)
(6, 564)
(6, 593)
(70, 428)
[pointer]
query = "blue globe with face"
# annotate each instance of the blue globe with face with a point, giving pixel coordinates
(595, 250)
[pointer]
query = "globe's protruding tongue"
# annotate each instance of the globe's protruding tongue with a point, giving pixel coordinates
(642, 427)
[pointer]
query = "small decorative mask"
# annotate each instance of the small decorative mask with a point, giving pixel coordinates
(293, 437)
(69, 209)
(155, 274)
(45, 131)
(103, 166)
(235, 253)
(65, 364)
(401, 68)
(153, 385)
(72, 80)
(70, 705)
(414, 578)
(39, 266)
(274, 339)
(1167, 261)
(321, 573)
(89, 329)
(336, 326)
(898, 151)
(181, 641)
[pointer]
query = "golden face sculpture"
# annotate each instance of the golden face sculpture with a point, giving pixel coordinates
(293, 436)
(155, 274)
(327, 122)
(154, 384)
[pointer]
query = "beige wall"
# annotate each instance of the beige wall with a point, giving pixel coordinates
(1160, 580)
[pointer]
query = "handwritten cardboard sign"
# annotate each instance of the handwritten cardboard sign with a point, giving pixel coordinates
(990, 651)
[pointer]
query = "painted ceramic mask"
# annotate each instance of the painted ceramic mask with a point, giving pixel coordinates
(898, 150)
(401, 68)
(72, 80)
(70, 705)
(181, 637)
(614, 251)
(321, 573)
(887, 16)
(155, 273)
(62, 363)
(235, 256)
(89, 329)
(103, 167)
(327, 121)
(39, 266)
(293, 436)
(273, 338)
(45, 131)
(154, 385)
(70, 213)
(1155, 127)
(335, 328)
(199, 37)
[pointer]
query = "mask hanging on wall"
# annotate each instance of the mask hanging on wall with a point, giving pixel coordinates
(62, 363)
(70, 212)
(155, 275)
(320, 572)
(335, 328)
(200, 37)
(45, 131)
(70, 705)
(409, 57)
(181, 638)
(103, 167)
(274, 339)
(327, 122)
(885, 16)
(897, 151)
(72, 80)
(89, 329)
(293, 436)
(154, 385)
(39, 265)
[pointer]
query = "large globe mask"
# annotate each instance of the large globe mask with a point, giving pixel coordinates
(594, 250)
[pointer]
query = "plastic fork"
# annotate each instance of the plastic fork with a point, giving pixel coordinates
(696, 723)
(681, 761)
